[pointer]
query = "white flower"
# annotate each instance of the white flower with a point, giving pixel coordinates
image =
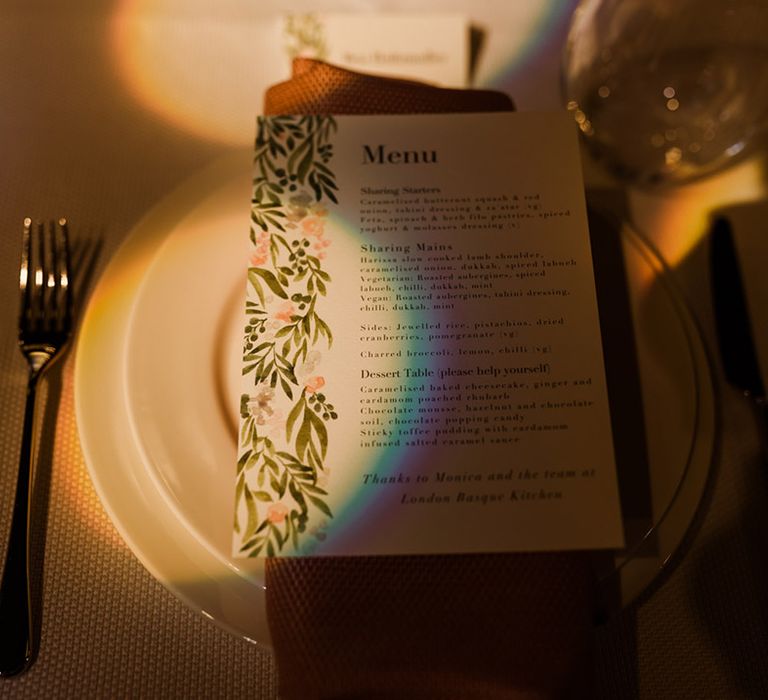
(260, 405)
(309, 365)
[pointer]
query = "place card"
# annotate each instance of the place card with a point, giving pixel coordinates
(422, 362)
(429, 47)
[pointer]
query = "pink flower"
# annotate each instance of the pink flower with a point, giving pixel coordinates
(314, 383)
(261, 254)
(319, 247)
(276, 513)
(259, 257)
(275, 424)
(313, 226)
(287, 309)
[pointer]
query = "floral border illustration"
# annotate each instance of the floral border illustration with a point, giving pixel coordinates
(305, 36)
(281, 469)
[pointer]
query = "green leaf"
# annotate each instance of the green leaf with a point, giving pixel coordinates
(252, 460)
(250, 505)
(250, 543)
(273, 221)
(319, 503)
(277, 535)
(327, 181)
(270, 279)
(299, 154)
(255, 552)
(298, 496)
(253, 279)
(313, 488)
(284, 363)
(282, 242)
(265, 371)
(324, 329)
(315, 186)
(262, 496)
(238, 496)
(321, 430)
(305, 433)
(302, 469)
(243, 459)
(259, 221)
(272, 465)
(313, 457)
(293, 417)
(305, 165)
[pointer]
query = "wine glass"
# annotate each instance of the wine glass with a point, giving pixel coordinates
(667, 91)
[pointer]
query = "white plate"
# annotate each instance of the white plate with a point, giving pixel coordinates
(136, 493)
(157, 400)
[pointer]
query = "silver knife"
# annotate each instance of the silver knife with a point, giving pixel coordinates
(734, 328)
(732, 320)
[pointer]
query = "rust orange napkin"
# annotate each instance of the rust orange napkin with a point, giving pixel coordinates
(461, 626)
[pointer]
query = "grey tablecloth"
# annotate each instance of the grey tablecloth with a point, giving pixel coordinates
(76, 141)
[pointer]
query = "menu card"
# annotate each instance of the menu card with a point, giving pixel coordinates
(422, 363)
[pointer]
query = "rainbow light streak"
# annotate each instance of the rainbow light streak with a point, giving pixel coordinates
(540, 41)
(364, 506)
(367, 508)
(69, 470)
(115, 293)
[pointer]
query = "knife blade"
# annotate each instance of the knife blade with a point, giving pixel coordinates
(732, 321)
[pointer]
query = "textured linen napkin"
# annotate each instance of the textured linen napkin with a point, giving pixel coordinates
(460, 626)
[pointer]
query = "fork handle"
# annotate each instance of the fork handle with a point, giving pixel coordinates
(16, 635)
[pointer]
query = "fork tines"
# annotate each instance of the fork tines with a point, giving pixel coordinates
(44, 278)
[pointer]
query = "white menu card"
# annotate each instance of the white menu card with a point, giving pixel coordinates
(422, 363)
(428, 46)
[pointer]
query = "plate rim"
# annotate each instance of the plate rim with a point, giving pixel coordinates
(128, 265)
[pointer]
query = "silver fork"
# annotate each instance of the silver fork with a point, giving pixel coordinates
(45, 325)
